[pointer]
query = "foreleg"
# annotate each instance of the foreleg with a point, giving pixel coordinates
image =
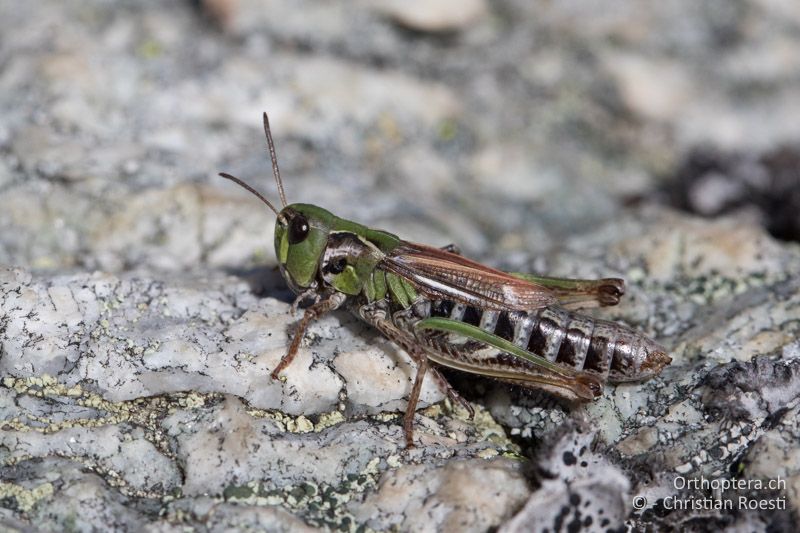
(311, 313)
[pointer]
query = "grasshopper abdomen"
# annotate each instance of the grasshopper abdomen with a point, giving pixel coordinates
(612, 352)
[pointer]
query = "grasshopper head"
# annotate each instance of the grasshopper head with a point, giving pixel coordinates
(301, 230)
(301, 235)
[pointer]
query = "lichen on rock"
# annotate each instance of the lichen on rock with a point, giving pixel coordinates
(141, 312)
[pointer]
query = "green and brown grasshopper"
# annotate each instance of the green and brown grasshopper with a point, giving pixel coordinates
(445, 309)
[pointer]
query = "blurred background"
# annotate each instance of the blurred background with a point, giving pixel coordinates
(655, 141)
(501, 126)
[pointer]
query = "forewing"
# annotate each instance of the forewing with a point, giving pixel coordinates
(445, 275)
(580, 293)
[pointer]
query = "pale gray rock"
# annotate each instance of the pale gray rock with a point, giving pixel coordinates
(206, 514)
(59, 494)
(228, 439)
(433, 16)
(121, 450)
(131, 337)
(776, 451)
(581, 489)
(140, 312)
(443, 498)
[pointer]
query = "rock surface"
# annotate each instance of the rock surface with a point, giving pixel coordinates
(141, 314)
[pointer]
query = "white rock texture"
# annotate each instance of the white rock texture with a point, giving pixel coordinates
(141, 313)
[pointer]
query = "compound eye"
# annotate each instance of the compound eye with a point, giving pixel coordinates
(298, 229)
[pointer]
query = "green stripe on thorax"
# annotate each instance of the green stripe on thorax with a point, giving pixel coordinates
(363, 276)
(383, 240)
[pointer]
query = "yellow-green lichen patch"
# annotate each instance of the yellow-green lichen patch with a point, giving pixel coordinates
(434, 410)
(486, 428)
(113, 478)
(11, 461)
(394, 461)
(301, 423)
(385, 417)
(329, 420)
(192, 400)
(26, 498)
(489, 429)
(488, 453)
(146, 413)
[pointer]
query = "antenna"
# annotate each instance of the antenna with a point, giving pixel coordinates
(275, 171)
(249, 188)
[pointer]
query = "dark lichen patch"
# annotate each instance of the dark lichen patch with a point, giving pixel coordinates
(725, 384)
(318, 504)
(569, 458)
(233, 492)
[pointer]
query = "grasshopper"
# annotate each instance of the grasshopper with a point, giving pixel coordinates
(447, 310)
